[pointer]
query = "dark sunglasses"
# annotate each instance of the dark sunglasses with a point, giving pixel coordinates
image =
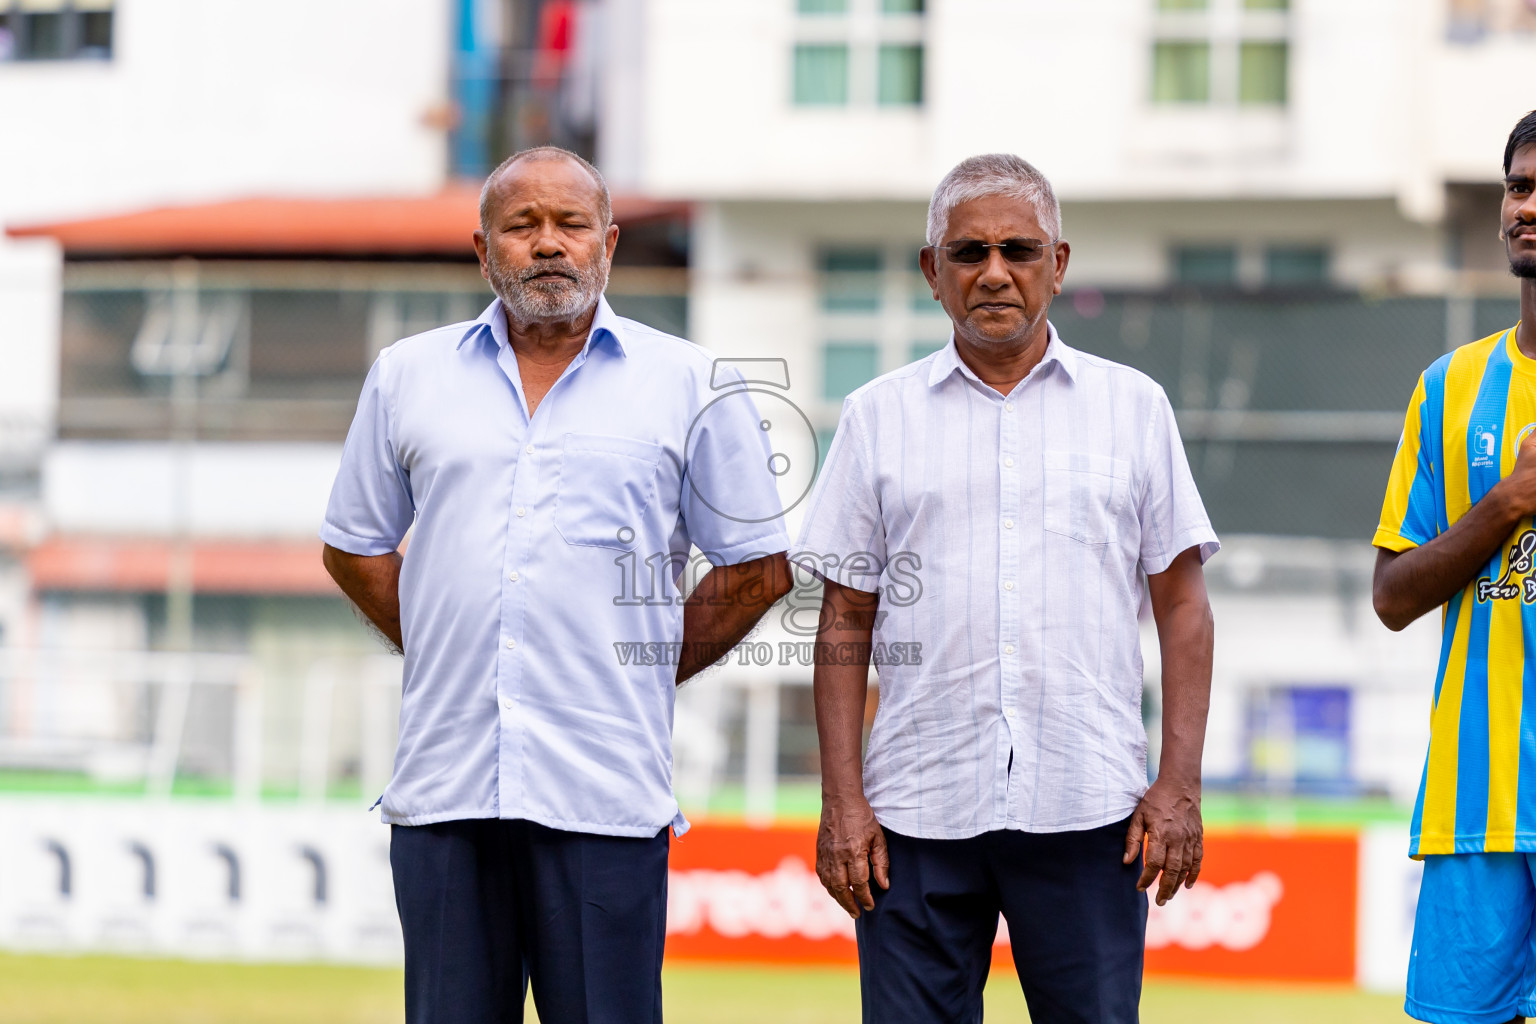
(1015, 250)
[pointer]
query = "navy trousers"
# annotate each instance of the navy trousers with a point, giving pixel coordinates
(1077, 924)
(488, 906)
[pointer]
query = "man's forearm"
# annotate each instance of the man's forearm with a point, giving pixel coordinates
(1186, 635)
(1187, 643)
(372, 584)
(724, 607)
(840, 690)
(1419, 580)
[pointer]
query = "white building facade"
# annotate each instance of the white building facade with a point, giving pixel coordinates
(1281, 209)
(1278, 208)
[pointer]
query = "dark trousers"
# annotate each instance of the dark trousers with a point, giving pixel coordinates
(488, 906)
(1077, 923)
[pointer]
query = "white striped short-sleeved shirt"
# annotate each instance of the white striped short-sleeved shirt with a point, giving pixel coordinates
(1007, 537)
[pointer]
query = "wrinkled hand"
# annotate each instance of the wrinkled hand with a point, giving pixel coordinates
(1168, 818)
(850, 847)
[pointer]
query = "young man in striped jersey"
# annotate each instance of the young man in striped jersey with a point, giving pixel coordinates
(1456, 530)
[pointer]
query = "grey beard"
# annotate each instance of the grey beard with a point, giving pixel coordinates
(529, 302)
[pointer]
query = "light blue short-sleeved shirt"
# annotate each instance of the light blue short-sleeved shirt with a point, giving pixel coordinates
(1007, 537)
(541, 549)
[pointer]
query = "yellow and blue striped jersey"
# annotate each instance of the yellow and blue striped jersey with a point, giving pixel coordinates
(1466, 420)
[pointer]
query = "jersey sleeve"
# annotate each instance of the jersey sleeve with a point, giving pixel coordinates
(1408, 513)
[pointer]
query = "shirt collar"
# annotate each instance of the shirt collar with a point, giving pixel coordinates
(948, 360)
(606, 324)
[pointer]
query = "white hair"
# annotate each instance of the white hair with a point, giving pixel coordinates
(993, 174)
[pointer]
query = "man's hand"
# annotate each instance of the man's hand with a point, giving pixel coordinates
(1168, 820)
(850, 848)
(1411, 583)
(1519, 488)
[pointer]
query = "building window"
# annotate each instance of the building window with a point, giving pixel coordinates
(901, 75)
(1261, 73)
(924, 349)
(1181, 72)
(848, 366)
(1210, 265)
(1221, 52)
(875, 313)
(851, 280)
(42, 30)
(821, 74)
(858, 53)
(1296, 266)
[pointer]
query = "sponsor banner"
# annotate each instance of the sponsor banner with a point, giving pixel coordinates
(1267, 906)
(1270, 907)
(738, 893)
(1389, 896)
(290, 882)
(212, 880)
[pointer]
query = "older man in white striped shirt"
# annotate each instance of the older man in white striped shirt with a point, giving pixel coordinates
(1034, 490)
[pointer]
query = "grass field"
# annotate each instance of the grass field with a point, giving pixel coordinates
(112, 990)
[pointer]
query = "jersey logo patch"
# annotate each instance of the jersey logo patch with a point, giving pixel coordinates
(1522, 555)
(1483, 443)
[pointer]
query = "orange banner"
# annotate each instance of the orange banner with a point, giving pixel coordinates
(1266, 906)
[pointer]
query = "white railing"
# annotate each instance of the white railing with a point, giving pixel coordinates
(125, 716)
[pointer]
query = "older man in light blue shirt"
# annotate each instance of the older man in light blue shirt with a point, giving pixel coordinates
(542, 457)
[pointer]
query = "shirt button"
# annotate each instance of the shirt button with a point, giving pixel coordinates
(529, 449)
(1008, 406)
(1010, 712)
(1008, 585)
(506, 702)
(521, 511)
(512, 576)
(1007, 524)
(1008, 649)
(1008, 462)
(511, 645)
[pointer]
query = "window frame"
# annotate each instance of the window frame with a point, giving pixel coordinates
(72, 14)
(866, 28)
(1226, 27)
(897, 324)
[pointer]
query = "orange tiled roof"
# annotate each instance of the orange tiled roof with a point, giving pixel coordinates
(144, 565)
(436, 225)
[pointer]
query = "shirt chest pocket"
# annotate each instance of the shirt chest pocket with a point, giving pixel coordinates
(1085, 495)
(605, 486)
